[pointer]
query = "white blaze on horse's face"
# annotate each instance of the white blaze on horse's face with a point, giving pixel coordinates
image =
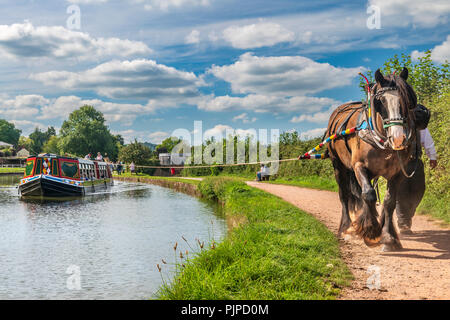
(396, 133)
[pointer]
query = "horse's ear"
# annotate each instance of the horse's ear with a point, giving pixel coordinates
(404, 74)
(379, 77)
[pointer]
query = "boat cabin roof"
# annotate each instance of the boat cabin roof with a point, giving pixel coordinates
(54, 156)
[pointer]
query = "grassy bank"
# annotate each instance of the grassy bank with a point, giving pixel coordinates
(276, 252)
(12, 170)
(143, 177)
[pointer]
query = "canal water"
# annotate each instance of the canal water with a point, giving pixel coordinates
(105, 246)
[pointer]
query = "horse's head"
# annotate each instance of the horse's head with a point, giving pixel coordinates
(394, 99)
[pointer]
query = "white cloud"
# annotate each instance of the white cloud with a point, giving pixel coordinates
(125, 113)
(23, 40)
(440, 53)
(422, 13)
(221, 130)
(318, 117)
(87, 1)
(257, 35)
(263, 103)
(21, 107)
(244, 118)
(137, 79)
(286, 75)
(158, 137)
(32, 107)
(165, 5)
(193, 37)
(313, 133)
(28, 126)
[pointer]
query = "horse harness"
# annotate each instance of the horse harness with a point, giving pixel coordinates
(366, 129)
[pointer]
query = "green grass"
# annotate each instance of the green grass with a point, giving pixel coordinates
(149, 177)
(437, 207)
(277, 252)
(313, 182)
(12, 170)
(317, 182)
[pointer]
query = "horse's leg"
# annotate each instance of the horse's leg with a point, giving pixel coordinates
(367, 224)
(341, 175)
(389, 236)
(409, 194)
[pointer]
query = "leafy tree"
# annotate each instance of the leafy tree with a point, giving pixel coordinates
(24, 142)
(135, 152)
(51, 146)
(119, 139)
(427, 78)
(85, 132)
(9, 133)
(39, 138)
(167, 145)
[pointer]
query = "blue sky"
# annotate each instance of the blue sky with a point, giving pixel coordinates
(153, 66)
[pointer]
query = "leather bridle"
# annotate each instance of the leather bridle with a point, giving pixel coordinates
(390, 122)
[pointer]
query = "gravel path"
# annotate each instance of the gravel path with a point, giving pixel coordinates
(420, 271)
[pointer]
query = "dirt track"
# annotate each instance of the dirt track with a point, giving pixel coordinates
(420, 271)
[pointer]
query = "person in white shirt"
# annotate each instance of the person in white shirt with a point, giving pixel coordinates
(411, 190)
(428, 144)
(264, 172)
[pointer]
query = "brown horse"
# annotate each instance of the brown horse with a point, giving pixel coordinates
(359, 159)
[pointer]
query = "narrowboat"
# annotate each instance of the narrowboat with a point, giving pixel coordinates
(49, 175)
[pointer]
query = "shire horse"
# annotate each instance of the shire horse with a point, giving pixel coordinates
(358, 161)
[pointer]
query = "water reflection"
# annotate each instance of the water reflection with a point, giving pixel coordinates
(116, 239)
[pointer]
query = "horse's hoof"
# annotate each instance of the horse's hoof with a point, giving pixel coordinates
(372, 242)
(392, 247)
(406, 231)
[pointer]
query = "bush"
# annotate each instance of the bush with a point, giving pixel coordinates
(437, 198)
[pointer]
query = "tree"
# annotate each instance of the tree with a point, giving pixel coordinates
(9, 133)
(51, 146)
(39, 138)
(85, 132)
(119, 139)
(135, 152)
(167, 145)
(428, 79)
(24, 142)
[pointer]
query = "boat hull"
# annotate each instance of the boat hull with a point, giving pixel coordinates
(48, 186)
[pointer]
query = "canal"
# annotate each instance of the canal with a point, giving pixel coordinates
(104, 246)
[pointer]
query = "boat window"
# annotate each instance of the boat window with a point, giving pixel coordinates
(69, 169)
(55, 169)
(38, 166)
(29, 168)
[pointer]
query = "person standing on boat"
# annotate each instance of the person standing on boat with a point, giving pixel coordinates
(88, 156)
(99, 157)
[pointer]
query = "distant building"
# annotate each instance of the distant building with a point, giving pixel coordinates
(168, 159)
(23, 153)
(164, 159)
(179, 158)
(4, 144)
